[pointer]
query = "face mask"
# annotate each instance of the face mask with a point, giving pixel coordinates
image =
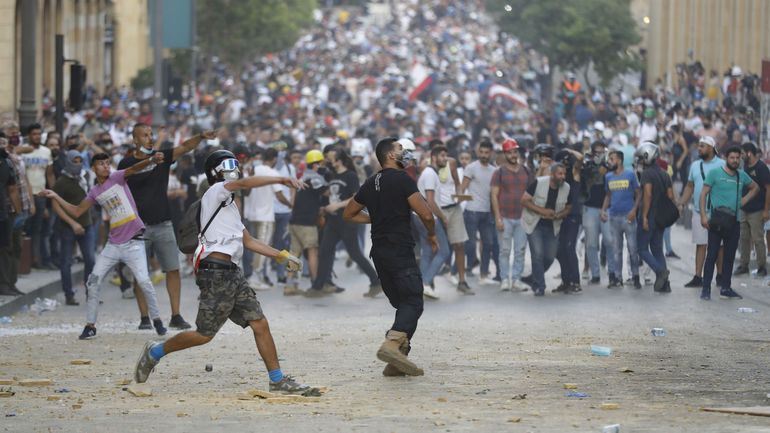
(403, 158)
(146, 151)
(231, 175)
(536, 163)
(72, 169)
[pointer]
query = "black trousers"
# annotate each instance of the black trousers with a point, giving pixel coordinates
(10, 254)
(334, 231)
(402, 284)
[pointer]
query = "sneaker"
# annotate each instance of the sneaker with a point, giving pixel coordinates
(464, 288)
(666, 287)
(595, 280)
(527, 279)
(741, 270)
(330, 289)
(539, 292)
(374, 290)
(88, 333)
(145, 324)
(145, 364)
(585, 275)
(637, 283)
(695, 282)
(575, 288)
(615, 284)
(429, 292)
(672, 255)
(257, 283)
(561, 288)
(453, 279)
(292, 290)
(761, 272)
(314, 293)
(178, 322)
(288, 385)
(729, 294)
(159, 328)
(71, 301)
(484, 280)
(705, 294)
(337, 289)
(128, 294)
(519, 286)
(497, 279)
(505, 285)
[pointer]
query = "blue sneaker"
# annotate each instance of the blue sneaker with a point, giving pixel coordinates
(89, 332)
(729, 294)
(159, 328)
(705, 294)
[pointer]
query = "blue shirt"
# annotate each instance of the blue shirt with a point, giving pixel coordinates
(621, 188)
(697, 179)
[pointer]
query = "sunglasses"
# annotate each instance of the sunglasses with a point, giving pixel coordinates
(228, 165)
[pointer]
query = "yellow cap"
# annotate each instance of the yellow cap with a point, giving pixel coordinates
(314, 156)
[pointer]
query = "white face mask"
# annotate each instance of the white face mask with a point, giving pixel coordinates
(117, 158)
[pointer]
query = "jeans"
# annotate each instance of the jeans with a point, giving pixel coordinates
(133, 255)
(483, 223)
(513, 238)
(542, 246)
(567, 255)
(52, 234)
(37, 226)
(334, 231)
(650, 245)
(667, 240)
(621, 227)
(401, 283)
(730, 240)
(281, 240)
(87, 243)
(431, 263)
(593, 226)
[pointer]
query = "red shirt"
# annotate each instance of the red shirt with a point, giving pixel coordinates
(512, 187)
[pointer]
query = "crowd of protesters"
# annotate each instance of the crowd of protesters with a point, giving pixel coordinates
(505, 165)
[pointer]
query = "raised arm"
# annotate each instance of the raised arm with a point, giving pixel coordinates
(157, 158)
(193, 142)
(72, 210)
(257, 181)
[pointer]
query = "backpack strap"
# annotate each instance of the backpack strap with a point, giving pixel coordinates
(221, 205)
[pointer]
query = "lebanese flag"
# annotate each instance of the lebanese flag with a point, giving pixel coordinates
(519, 99)
(420, 79)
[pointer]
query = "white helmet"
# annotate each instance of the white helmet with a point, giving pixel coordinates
(647, 153)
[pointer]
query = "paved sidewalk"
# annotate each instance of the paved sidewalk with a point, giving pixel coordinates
(39, 284)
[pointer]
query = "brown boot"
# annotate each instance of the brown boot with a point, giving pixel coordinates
(390, 352)
(390, 370)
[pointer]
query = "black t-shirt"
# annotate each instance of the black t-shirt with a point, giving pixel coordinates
(307, 202)
(7, 178)
(660, 182)
(385, 196)
(550, 202)
(592, 179)
(760, 174)
(342, 186)
(150, 188)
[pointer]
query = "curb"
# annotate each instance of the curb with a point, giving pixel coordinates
(49, 290)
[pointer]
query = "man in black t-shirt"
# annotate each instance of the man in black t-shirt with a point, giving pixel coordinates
(150, 189)
(755, 213)
(8, 193)
(390, 196)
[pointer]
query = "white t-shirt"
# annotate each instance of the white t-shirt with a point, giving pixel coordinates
(429, 181)
(446, 187)
(287, 170)
(36, 162)
(479, 188)
(225, 234)
(258, 205)
(647, 132)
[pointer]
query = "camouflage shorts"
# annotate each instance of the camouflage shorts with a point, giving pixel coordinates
(225, 294)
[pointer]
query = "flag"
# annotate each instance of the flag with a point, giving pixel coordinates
(517, 98)
(420, 79)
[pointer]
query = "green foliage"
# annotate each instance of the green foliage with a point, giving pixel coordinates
(239, 30)
(143, 79)
(574, 33)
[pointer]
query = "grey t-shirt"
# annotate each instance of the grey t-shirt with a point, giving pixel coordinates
(479, 188)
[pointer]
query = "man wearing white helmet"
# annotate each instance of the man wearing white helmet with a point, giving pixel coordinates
(655, 185)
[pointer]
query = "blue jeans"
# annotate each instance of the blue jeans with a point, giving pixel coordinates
(281, 240)
(431, 263)
(593, 226)
(513, 237)
(483, 223)
(567, 255)
(621, 227)
(37, 229)
(542, 246)
(667, 240)
(650, 245)
(730, 242)
(87, 243)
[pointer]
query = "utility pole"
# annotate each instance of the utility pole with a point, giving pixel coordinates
(60, 85)
(158, 119)
(194, 61)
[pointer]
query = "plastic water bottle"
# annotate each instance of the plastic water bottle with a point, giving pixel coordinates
(601, 350)
(5, 320)
(658, 332)
(746, 310)
(613, 428)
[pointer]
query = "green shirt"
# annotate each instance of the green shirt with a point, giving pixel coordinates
(723, 189)
(69, 189)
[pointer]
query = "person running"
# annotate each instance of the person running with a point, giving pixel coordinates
(125, 242)
(390, 196)
(225, 292)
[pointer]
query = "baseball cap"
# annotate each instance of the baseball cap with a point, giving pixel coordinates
(708, 140)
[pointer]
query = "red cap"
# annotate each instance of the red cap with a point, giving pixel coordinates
(510, 144)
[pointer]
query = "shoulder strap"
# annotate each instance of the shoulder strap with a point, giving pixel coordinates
(221, 205)
(737, 190)
(702, 174)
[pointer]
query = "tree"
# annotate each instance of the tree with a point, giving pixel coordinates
(239, 30)
(574, 33)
